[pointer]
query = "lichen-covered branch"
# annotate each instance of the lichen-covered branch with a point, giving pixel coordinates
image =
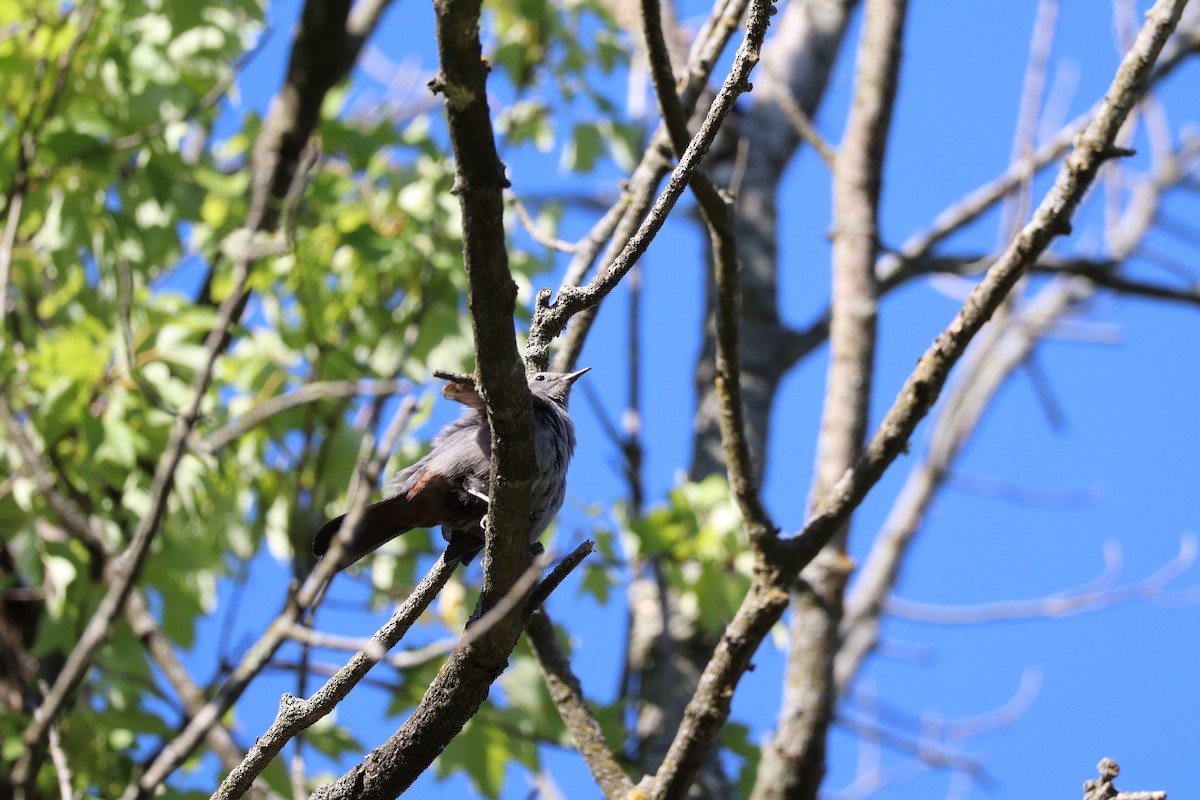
(767, 598)
(793, 763)
(451, 699)
(296, 714)
(551, 318)
(573, 708)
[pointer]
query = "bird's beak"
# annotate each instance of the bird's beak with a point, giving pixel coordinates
(574, 376)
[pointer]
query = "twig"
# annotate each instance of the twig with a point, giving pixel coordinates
(1052, 218)
(550, 319)
(296, 715)
(568, 698)
(792, 762)
(527, 222)
(767, 598)
(971, 207)
(1084, 600)
(587, 249)
(462, 684)
(466, 677)
(998, 353)
(259, 655)
(559, 574)
(1101, 272)
(62, 767)
(1103, 789)
(781, 93)
(311, 393)
(994, 359)
(926, 752)
(1016, 206)
(633, 233)
(718, 217)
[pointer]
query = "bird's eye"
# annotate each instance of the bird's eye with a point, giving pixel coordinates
(539, 377)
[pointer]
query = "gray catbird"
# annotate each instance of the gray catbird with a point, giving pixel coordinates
(449, 486)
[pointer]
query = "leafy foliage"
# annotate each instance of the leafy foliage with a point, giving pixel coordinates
(129, 201)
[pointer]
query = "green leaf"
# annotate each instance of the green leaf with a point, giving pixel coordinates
(481, 752)
(583, 149)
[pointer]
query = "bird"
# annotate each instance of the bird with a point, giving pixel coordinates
(449, 486)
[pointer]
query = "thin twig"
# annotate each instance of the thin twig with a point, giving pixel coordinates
(790, 762)
(530, 226)
(718, 217)
(629, 237)
(259, 655)
(782, 95)
(1065, 604)
(310, 393)
(767, 598)
(62, 767)
(996, 356)
(296, 715)
(568, 698)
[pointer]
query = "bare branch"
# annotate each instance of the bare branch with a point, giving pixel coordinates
(62, 767)
(1052, 218)
(573, 708)
(996, 356)
(463, 682)
(296, 715)
(551, 318)
(1103, 789)
(793, 764)
(465, 673)
(767, 598)
(1084, 600)
(311, 393)
(1100, 272)
(805, 128)
(527, 222)
(717, 211)
(1016, 206)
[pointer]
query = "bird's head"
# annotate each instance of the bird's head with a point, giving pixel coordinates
(554, 386)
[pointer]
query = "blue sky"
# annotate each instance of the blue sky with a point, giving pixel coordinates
(1120, 683)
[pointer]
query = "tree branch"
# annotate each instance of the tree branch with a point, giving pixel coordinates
(296, 715)
(767, 597)
(370, 460)
(992, 361)
(793, 764)
(1052, 218)
(1103, 788)
(464, 680)
(394, 766)
(717, 211)
(550, 319)
(311, 393)
(573, 708)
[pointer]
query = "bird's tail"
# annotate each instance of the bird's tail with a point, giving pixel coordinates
(379, 526)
